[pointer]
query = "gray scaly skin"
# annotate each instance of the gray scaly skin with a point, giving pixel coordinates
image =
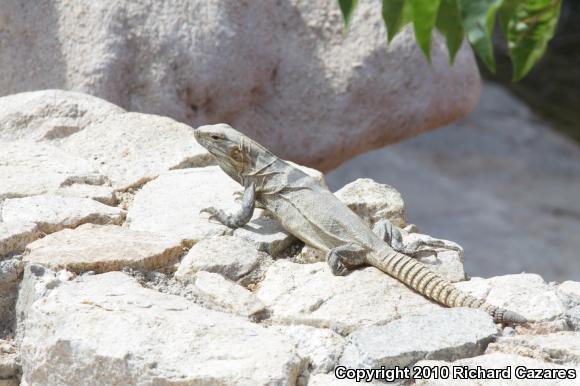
(314, 215)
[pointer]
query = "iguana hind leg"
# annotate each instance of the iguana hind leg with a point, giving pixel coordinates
(239, 218)
(344, 258)
(392, 236)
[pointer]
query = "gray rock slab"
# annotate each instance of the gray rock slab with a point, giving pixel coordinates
(137, 336)
(527, 294)
(310, 294)
(50, 114)
(28, 168)
(15, 236)
(101, 193)
(573, 318)
(52, 212)
(133, 148)
(373, 201)
(226, 255)
(561, 347)
(266, 234)
(229, 295)
(569, 292)
(322, 347)
(446, 334)
(103, 248)
(498, 361)
(171, 203)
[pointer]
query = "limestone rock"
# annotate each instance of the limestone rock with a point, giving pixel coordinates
(101, 193)
(526, 294)
(9, 366)
(292, 79)
(226, 255)
(310, 294)
(29, 168)
(50, 114)
(266, 234)
(52, 213)
(497, 361)
(573, 318)
(446, 334)
(569, 292)
(15, 236)
(373, 201)
(171, 203)
(321, 346)
(156, 339)
(562, 347)
(447, 260)
(103, 248)
(133, 148)
(227, 294)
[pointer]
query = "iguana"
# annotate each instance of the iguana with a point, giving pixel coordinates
(314, 215)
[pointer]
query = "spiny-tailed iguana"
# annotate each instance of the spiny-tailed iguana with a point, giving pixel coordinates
(314, 215)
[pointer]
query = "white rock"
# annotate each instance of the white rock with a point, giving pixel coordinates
(292, 79)
(321, 346)
(446, 334)
(171, 203)
(133, 148)
(447, 260)
(373, 201)
(29, 168)
(310, 294)
(569, 292)
(9, 366)
(227, 294)
(103, 248)
(226, 255)
(101, 193)
(573, 318)
(561, 347)
(527, 294)
(139, 336)
(15, 236)
(50, 114)
(493, 362)
(266, 234)
(52, 213)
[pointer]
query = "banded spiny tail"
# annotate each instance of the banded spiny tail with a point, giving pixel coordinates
(433, 286)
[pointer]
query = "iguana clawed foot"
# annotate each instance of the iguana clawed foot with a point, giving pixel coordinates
(342, 259)
(392, 236)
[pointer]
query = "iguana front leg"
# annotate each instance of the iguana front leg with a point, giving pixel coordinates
(392, 236)
(241, 217)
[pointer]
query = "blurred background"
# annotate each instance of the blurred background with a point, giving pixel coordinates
(504, 182)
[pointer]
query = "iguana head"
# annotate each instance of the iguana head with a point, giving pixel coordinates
(235, 153)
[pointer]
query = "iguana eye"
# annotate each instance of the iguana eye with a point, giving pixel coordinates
(216, 137)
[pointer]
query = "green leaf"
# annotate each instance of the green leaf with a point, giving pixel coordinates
(424, 17)
(396, 14)
(449, 23)
(347, 8)
(528, 25)
(478, 20)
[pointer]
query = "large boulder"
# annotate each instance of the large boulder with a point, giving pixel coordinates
(283, 72)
